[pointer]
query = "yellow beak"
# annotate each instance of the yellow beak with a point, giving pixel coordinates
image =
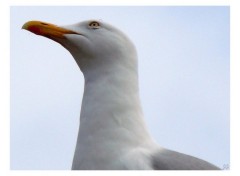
(46, 29)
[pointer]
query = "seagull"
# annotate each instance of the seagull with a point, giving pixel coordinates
(112, 133)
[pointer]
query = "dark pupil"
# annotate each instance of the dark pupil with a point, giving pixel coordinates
(94, 24)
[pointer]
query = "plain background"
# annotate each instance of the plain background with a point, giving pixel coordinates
(183, 72)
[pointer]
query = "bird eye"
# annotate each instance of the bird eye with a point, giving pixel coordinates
(94, 25)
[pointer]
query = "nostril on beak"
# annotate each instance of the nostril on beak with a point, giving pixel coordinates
(44, 23)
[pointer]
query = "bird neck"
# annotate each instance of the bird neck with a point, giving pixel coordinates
(111, 100)
(111, 115)
(111, 104)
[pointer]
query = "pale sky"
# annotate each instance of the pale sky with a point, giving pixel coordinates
(183, 72)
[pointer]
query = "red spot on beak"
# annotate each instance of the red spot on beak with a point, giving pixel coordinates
(35, 30)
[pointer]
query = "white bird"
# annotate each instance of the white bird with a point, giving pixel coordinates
(112, 133)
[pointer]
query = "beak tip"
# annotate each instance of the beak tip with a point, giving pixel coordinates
(25, 26)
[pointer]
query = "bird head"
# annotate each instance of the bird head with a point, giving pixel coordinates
(92, 43)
